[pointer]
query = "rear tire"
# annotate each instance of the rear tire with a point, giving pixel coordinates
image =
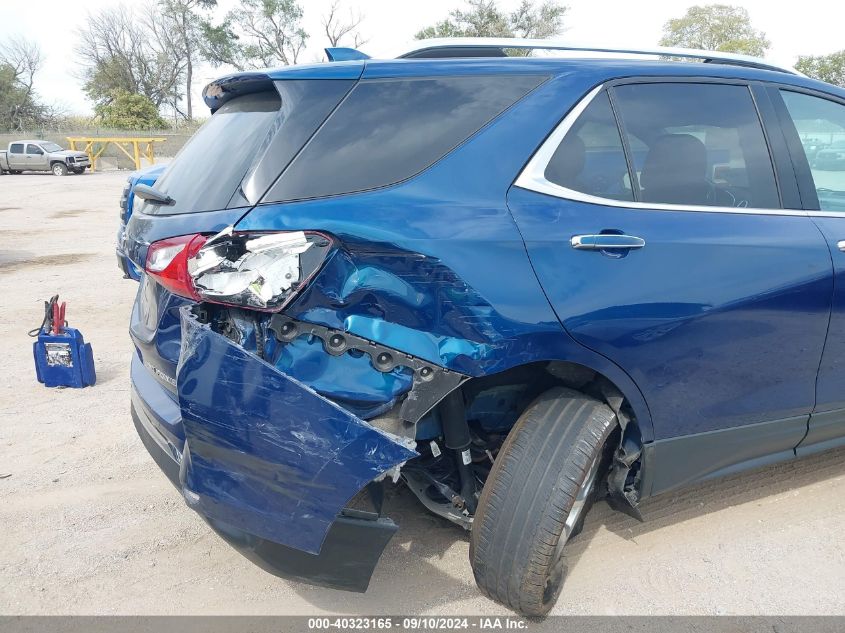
(59, 169)
(541, 486)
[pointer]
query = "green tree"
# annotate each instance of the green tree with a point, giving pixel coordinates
(179, 29)
(13, 100)
(221, 45)
(20, 60)
(121, 51)
(128, 111)
(716, 27)
(484, 18)
(260, 33)
(829, 68)
(338, 28)
(540, 21)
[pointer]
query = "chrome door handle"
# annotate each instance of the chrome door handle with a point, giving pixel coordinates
(607, 242)
(841, 245)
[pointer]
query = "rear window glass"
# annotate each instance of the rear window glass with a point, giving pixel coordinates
(702, 145)
(305, 105)
(820, 124)
(388, 130)
(208, 170)
(591, 159)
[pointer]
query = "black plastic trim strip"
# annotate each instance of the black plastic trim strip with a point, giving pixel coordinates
(681, 461)
(431, 382)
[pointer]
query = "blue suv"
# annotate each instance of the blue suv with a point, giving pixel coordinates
(146, 176)
(514, 284)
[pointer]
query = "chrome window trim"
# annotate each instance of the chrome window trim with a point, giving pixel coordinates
(533, 177)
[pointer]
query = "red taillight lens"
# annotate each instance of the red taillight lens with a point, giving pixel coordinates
(167, 261)
(261, 271)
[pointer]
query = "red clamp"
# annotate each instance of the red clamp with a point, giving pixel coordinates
(58, 317)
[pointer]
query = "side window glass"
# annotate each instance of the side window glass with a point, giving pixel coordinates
(33, 149)
(16, 148)
(821, 128)
(388, 130)
(590, 159)
(697, 144)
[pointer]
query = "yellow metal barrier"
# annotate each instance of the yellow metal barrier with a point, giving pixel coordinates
(94, 146)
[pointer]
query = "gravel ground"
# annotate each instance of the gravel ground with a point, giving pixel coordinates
(90, 526)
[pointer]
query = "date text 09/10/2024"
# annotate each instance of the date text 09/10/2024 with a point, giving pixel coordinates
(418, 623)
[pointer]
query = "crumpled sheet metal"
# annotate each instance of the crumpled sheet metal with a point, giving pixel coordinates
(413, 303)
(265, 453)
(350, 380)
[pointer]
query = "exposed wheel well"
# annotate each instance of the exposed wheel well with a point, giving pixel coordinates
(492, 406)
(541, 376)
(624, 480)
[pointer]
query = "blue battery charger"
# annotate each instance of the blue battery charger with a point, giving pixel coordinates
(62, 357)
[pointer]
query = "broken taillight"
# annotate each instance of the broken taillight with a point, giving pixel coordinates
(263, 271)
(167, 262)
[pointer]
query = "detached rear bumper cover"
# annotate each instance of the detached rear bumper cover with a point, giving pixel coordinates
(350, 551)
(263, 452)
(271, 464)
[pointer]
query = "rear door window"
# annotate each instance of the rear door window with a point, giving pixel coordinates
(388, 130)
(590, 159)
(16, 148)
(704, 145)
(821, 127)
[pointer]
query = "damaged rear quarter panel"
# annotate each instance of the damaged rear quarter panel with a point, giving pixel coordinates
(439, 270)
(265, 453)
(431, 268)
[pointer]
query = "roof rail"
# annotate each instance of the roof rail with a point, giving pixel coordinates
(495, 47)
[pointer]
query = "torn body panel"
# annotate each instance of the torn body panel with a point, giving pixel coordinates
(624, 481)
(360, 375)
(264, 453)
(350, 551)
(424, 383)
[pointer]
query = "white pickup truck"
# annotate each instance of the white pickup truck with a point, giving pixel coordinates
(42, 156)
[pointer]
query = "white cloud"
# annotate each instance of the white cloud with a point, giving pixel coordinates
(813, 27)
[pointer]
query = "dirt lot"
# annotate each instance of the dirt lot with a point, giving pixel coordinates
(89, 525)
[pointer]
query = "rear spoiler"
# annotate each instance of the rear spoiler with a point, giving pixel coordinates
(222, 90)
(345, 54)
